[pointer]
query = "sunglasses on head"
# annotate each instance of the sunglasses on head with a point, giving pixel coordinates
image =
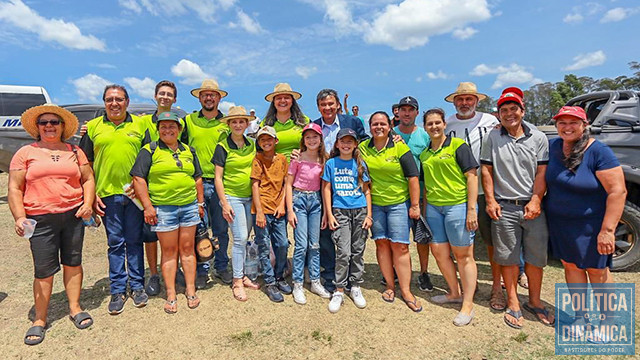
(52, 122)
(178, 162)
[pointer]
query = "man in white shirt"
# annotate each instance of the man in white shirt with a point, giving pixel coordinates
(473, 127)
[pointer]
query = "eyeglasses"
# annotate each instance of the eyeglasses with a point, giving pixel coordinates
(47, 122)
(204, 96)
(114, 99)
(177, 159)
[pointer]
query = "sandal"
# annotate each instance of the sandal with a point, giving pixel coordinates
(497, 301)
(413, 305)
(523, 281)
(37, 331)
(540, 311)
(389, 296)
(171, 306)
(250, 284)
(516, 315)
(79, 318)
(193, 301)
(239, 293)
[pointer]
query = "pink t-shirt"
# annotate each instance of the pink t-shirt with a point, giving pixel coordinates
(53, 180)
(306, 175)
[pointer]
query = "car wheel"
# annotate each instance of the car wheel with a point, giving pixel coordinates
(627, 233)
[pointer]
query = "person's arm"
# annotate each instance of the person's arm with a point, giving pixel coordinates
(346, 108)
(612, 181)
(261, 220)
(533, 208)
(414, 195)
(291, 215)
(200, 196)
(493, 208)
(142, 192)
(368, 221)
(16, 196)
(472, 199)
(88, 191)
(227, 211)
(281, 209)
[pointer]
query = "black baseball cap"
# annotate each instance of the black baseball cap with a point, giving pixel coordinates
(346, 132)
(408, 100)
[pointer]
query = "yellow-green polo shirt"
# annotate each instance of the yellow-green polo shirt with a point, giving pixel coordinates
(170, 182)
(113, 150)
(203, 135)
(237, 166)
(444, 170)
(389, 169)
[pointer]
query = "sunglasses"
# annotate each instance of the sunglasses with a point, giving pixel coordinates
(47, 122)
(178, 162)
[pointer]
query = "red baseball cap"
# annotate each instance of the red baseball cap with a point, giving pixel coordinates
(511, 94)
(573, 111)
(313, 127)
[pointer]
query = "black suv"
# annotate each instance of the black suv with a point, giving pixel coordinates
(615, 120)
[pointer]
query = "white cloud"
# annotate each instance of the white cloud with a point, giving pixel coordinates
(225, 105)
(144, 87)
(339, 13)
(105, 66)
(190, 72)
(419, 79)
(306, 71)
(90, 87)
(573, 18)
(506, 75)
(439, 75)
(587, 60)
(131, 5)
(206, 10)
(617, 14)
(247, 23)
(464, 34)
(64, 33)
(411, 23)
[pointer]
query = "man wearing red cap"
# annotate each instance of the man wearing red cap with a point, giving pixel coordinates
(514, 160)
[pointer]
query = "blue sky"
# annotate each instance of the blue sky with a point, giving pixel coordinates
(376, 50)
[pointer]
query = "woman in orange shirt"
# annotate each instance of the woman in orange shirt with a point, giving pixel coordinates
(51, 182)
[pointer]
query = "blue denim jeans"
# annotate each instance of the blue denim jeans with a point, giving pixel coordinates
(327, 259)
(123, 222)
(214, 220)
(308, 209)
(240, 229)
(273, 234)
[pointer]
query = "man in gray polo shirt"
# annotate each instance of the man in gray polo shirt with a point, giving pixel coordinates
(514, 160)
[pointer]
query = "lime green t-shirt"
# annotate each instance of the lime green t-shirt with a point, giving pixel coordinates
(289, 136)
(113, 150)
(444, 170)
(152, 126)
(237, 166)
(171, 181)
(389, 169)
(204, 135)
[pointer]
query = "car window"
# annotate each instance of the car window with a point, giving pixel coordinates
(13, 104)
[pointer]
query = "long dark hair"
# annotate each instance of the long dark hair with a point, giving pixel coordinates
(335, 152)
(573, 160)
(296, 114)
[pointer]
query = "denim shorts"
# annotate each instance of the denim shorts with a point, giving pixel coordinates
(391, 222)
(449, 224)
(171, 217)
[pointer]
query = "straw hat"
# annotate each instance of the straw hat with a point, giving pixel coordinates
(209, 85)
(282, 88)
(466, 88)
(30, 117)
(237, 112)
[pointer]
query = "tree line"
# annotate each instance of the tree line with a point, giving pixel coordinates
(545, 99)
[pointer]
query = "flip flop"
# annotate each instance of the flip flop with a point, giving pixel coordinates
(79, 318)
(38, 331)
(171, 306)
(415, 307)
(497, 301)
(193, 301)
(539, 311)
(389, 296)
(516, 315)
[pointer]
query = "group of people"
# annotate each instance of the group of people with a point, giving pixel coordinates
(161, 178)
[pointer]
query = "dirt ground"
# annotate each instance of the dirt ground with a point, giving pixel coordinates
(223, 328)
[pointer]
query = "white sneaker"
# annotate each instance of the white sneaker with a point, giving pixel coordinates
(318, 289)
(358, 299)
(298, 294)
(336, 302)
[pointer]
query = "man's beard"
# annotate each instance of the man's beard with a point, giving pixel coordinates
(467, 113)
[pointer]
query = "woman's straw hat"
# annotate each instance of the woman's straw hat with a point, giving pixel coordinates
(30, 117)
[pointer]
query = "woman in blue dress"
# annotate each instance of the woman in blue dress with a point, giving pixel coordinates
(585, 198)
